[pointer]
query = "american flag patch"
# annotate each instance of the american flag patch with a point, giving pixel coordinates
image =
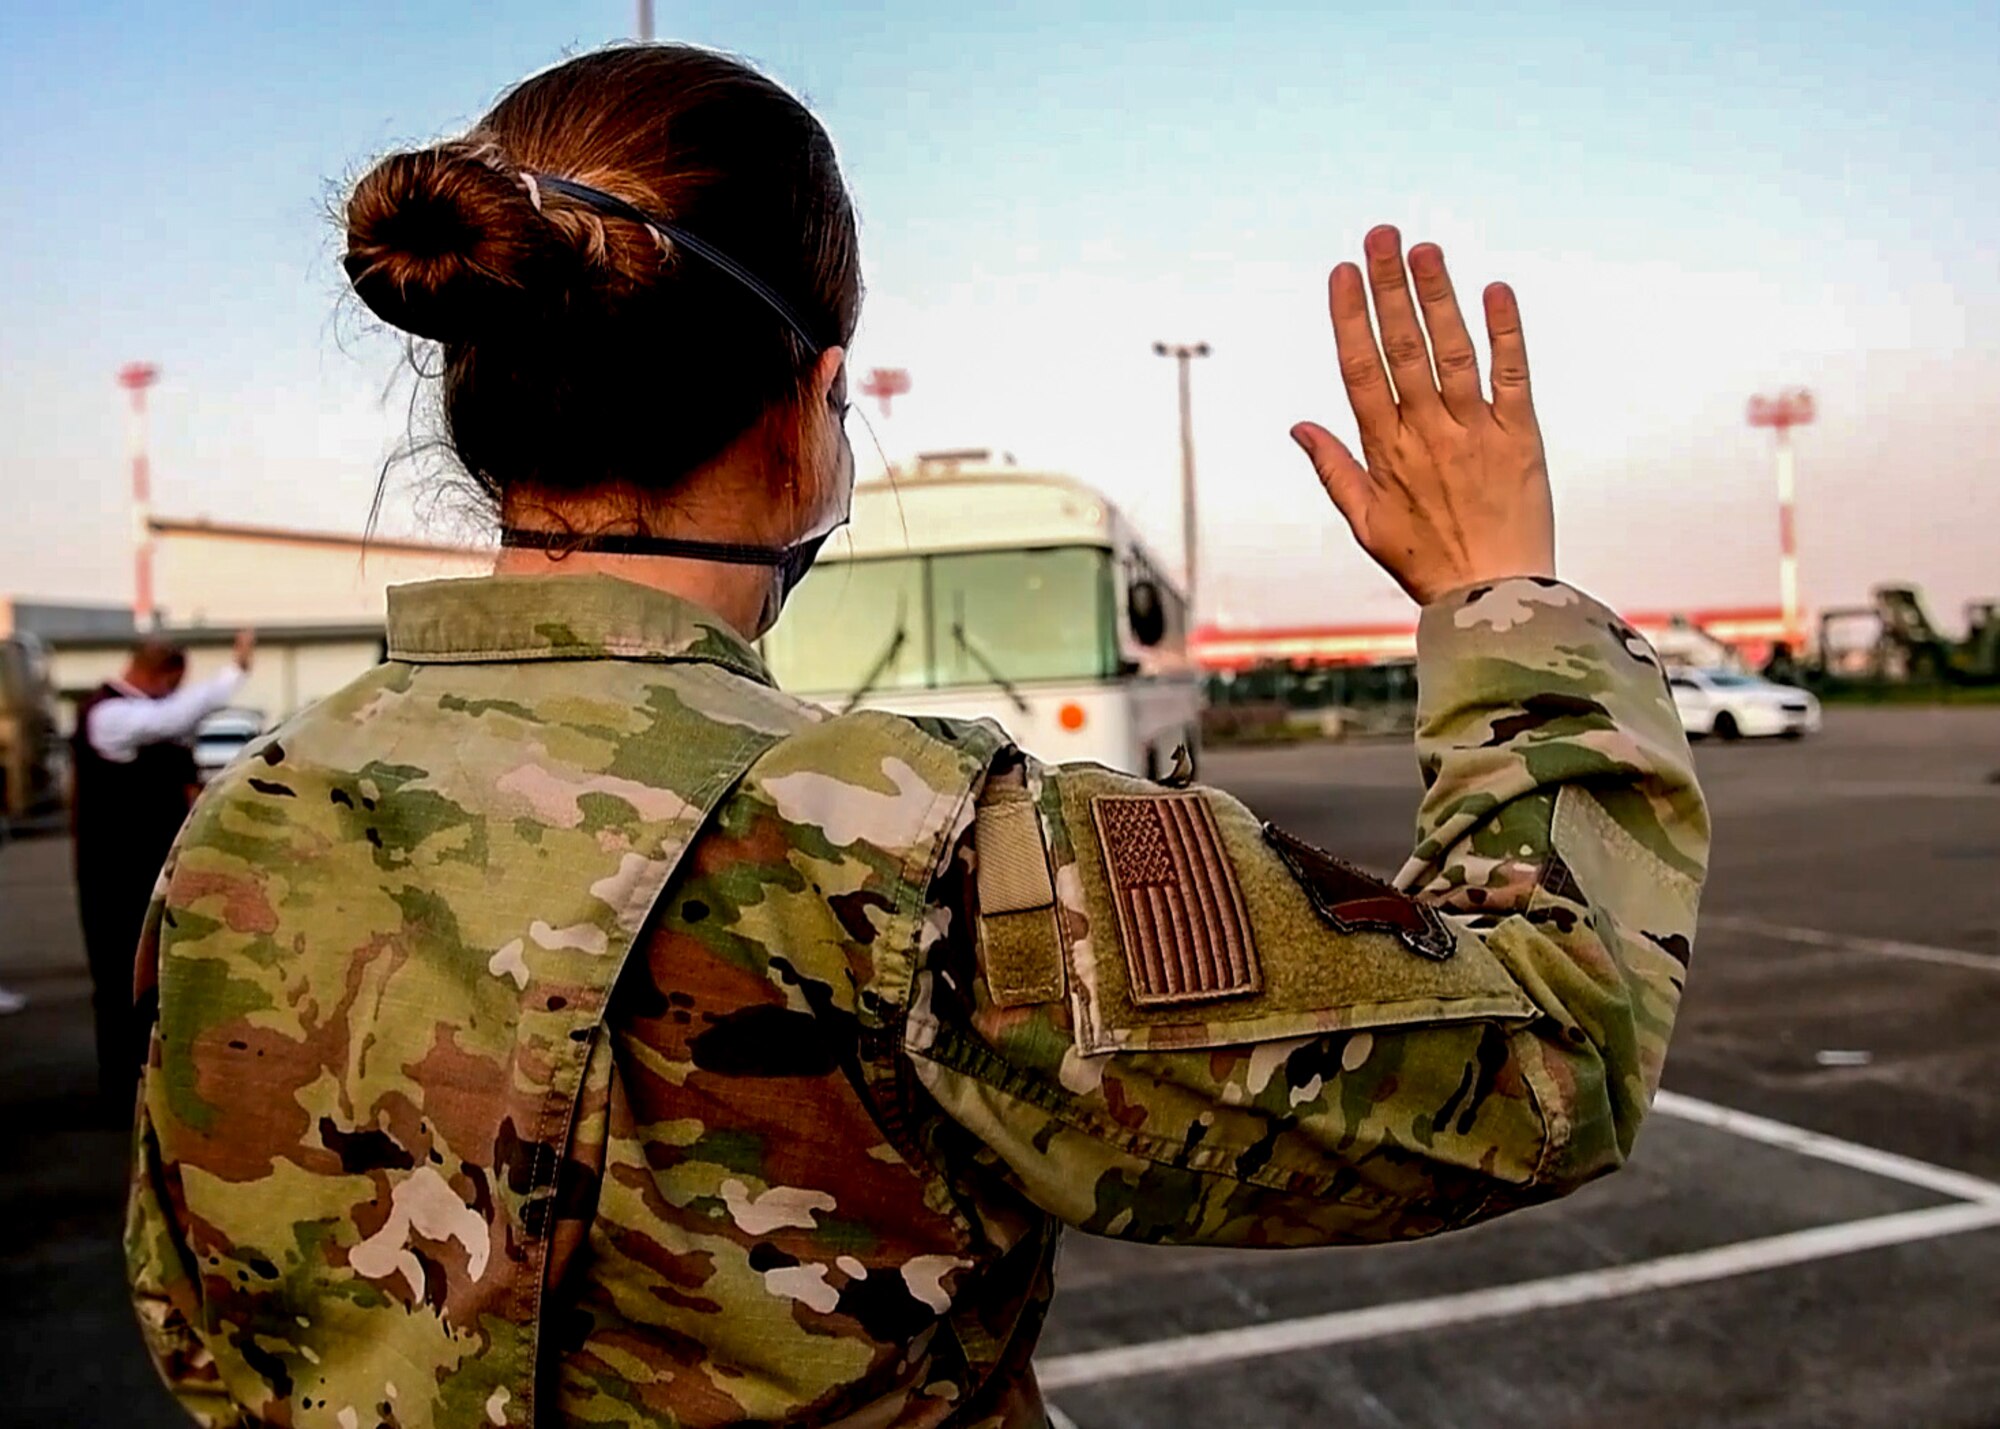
(1180, 912)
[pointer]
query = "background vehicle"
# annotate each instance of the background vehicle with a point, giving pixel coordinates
(1893, 642)
(1731, 706)
(221, 738)
(970, 588)
(32, 758)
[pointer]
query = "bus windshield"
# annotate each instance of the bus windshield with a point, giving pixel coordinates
(965, 618)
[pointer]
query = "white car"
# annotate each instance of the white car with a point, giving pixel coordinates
(1732, 706)
(221, 738)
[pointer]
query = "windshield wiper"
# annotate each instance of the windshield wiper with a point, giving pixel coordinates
(882, 662)
(979, 657)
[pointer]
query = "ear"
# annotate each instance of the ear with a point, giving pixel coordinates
(827, 370)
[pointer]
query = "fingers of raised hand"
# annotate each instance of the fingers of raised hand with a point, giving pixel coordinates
(1457, 360)
(1368, 390)
(1402, 335)
(1512, 401)
(1344, 478)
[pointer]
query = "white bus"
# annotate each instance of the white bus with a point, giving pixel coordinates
(966, 587)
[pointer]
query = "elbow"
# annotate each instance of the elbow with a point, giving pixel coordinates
(1593, 1130)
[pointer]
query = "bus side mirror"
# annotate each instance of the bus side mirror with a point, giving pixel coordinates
(1148, 616)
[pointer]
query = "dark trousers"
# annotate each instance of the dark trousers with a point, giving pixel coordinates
(114, 888)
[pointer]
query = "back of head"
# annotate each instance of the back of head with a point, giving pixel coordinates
(582, 352)
(157, 661)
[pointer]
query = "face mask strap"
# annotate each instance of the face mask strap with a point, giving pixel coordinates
(728, 553)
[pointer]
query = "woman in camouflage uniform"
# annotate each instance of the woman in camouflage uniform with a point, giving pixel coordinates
(560, 1025)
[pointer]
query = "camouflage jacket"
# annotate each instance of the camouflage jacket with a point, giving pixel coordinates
(561, 1026)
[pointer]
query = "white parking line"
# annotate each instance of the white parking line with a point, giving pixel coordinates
(1059, 1420)
(1906, 1169)
(1842, 942)
(1906, 789)
(1977, 1208)
(1188, 1352)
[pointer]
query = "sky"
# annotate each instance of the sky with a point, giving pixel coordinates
(1695, 203)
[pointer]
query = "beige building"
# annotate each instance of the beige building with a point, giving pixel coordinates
(317, 600)
(207, 573)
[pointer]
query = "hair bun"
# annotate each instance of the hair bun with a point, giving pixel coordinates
(445, 246)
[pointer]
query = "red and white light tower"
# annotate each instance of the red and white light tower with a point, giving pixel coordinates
(1790, 408)
(135, 378)
(885, 385)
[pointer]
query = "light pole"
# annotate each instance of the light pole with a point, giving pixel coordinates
(1790, 408)
(645, 19)
(135, 378)
(1183, 353)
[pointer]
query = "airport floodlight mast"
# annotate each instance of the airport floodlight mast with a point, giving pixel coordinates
(1790, 408)
(135, 378)
(885, 385)
(1183, 353)
(646, 19)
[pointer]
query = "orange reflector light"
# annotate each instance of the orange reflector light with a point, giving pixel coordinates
(1070, 717)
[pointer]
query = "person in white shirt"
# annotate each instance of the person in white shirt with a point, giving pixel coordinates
(134, 781)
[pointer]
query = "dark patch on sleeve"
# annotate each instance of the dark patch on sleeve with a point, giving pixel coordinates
(272, 753)
(375, 837)
(1545, 582)
(693, 911)
(516, 1159)
(1675, 946)
(765, 1256)
(437, 1284)
(852, 911)
(884, 1307)
(1317, 1058)
(1259, 1152)
(262, 1267)
(341, 796)
(1625, 635)
(1544, 709)
(1563, 920)
(1353, 902)
(363, 1151)
(271, 786)
(1480, 1078)
(638, 996)
(268, 1366)
(767, 1042)
(1477, 593)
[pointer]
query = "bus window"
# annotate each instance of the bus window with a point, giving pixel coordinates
(1030, 615)
(840, 624)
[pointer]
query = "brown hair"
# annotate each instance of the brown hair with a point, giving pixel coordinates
(158, 657)
(580, 354)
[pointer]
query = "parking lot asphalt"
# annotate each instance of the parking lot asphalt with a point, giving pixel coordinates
(1808, 1235)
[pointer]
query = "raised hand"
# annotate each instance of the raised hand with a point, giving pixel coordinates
(1451, 489)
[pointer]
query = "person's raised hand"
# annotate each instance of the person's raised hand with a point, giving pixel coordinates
(246, 647)
(1451, 489)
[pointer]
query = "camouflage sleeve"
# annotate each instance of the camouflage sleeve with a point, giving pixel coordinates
(1163, 1020)
(166, 1291)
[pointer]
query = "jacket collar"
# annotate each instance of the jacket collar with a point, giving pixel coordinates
(502, 619)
